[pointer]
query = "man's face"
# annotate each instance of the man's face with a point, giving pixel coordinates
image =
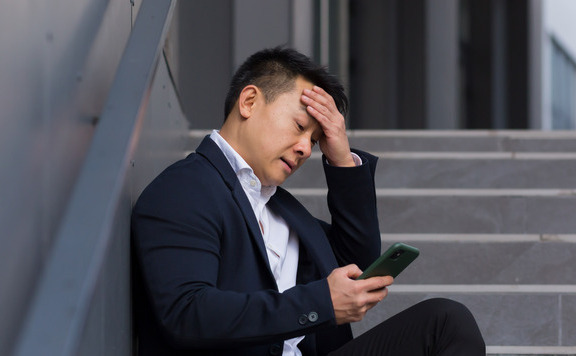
(281, 136)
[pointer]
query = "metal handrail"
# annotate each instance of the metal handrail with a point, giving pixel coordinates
(60, 307)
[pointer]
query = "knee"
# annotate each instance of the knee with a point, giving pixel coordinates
(455, 318)
(447, 307)
(450, 312)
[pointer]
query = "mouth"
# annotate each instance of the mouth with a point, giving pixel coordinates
(290, 165)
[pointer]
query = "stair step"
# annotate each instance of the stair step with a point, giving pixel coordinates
(483, 289)
(484, 238)
(530, 350)
(464, 211)
(458, 170)
(446, 141)
(470, 140)
(535, 316)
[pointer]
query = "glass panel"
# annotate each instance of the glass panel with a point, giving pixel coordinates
(563, 88)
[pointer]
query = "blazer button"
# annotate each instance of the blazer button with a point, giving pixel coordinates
(276, 349)
(313, 316)
(303, 319)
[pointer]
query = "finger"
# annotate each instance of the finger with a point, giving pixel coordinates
(352, 271)
(322, 118)
(325, 97)
(376, 283)
(315, 105)
(379, 293)
(322, 99)
(374, 297)
(377, 298)
(328, 120)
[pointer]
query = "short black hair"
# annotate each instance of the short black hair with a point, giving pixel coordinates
(274, 71)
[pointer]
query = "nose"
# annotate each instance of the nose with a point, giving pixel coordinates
(304, 147)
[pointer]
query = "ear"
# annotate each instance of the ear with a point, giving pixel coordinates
(247, 100)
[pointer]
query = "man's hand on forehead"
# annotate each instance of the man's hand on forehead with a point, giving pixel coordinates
(334, 143)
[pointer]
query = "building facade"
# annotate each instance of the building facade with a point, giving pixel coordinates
(446, 64)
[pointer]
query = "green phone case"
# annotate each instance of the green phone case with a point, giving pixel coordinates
(392, 262)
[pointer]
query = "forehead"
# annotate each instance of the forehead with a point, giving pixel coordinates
(289, 98)
(293, 86)
(302, 83)
(295, 93)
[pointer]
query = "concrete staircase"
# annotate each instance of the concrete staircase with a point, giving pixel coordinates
(494, 215)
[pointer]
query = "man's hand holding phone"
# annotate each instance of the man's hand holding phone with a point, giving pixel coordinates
(352, 298)
(353, 293)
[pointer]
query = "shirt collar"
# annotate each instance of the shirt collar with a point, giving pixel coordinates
(243, 171)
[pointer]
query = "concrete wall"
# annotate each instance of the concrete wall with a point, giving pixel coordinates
(58, 61)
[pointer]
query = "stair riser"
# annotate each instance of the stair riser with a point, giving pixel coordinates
(466, 214)
(455, 174)
(504, 319)
(491, 263)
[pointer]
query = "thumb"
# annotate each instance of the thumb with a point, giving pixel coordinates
(352, 271)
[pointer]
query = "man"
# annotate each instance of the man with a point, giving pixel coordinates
(229, 263)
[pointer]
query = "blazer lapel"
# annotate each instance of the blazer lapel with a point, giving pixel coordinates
(210, 150)
(311, 235)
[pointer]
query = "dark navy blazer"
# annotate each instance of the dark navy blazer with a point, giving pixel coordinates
(203, 285)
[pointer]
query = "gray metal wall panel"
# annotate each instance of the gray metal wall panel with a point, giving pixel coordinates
(108, 327)
(57, 63)
(82, 302)
(162, 139)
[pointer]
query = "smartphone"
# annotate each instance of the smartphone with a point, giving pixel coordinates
(392, 262)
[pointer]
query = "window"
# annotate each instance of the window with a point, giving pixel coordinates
(563, 69)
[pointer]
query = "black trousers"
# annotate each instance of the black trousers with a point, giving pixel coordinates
(433, 327)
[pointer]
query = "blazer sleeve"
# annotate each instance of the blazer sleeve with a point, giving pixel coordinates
(176, 231)
(354, 232)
